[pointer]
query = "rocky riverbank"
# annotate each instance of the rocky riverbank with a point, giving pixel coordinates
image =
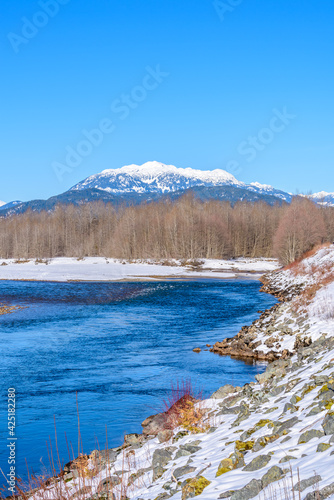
(270, 439)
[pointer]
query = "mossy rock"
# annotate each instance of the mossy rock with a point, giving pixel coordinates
(263, 441)
(225, 466)
(270, 410)
(324, 388)
(308, 389)
(244, 445)
(263, 422)
(274, 474)
(308, 435)
(258, 463)
(180, 435)
(323, 447)
(287, 458)
(295, 399)
(235, 461)
(194, 487)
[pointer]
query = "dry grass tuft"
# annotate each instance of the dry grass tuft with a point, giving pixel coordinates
(183, 408)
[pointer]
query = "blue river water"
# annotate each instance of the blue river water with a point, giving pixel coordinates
(119, 347)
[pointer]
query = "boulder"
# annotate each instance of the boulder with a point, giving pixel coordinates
(154, 424)
(322, 447)
(194, 487)
(325, 492)
(107, 484)
(133, 439)
(306, 483)
(308, 435)
(223, 391)
(328, 423)
(165, 435)
(251, 490)
(159, 461)
(274, 474)
(280, 428)
(225, 466)
(257, 463)
(287, 458)
(182, 471)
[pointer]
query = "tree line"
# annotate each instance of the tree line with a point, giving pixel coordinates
(183, 229)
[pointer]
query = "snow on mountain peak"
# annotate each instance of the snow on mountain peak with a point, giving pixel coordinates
(262, 186)
(2, 203)
(321, 194)
(155, 168)
(156, 177)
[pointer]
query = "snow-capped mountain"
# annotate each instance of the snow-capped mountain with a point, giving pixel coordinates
(155, 177)
(153, 181)
(2, 203)
(323, 198)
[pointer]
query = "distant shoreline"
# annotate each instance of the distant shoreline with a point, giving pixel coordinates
(100, 269)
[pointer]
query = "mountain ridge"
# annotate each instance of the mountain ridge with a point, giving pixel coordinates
(153, 181)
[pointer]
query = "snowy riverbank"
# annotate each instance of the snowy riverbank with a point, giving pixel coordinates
(103, 269)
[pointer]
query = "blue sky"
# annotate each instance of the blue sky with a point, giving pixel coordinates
(222, 76)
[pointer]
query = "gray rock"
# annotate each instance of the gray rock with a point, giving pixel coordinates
(277, 390)
(182, 453)
(154, 424)
(108, 483)
(228, 411)
(320, 379)
(223, 391)
(182, 471)
(160, 460)
(165, 435)
(294, 399)
(226, 494)
(288, 406)
(287, 458)
(322, 447)
(132, 439)
(251, 490)
(327, 491)
(305, 483)
(212, 429)
(258, 463)
(190, 447)
(274, 474)
(308, 435)
(136, 475)
(328, 424)
(315, 410)
(326, 396)
(280, 427)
